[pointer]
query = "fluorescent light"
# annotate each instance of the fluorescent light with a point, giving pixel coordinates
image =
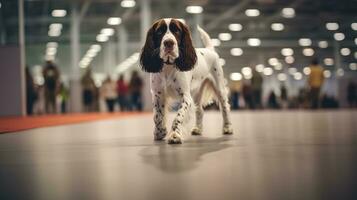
(308, 52)
(332, 26)
(102, 38)
(216, 42)
(114, 21)
(127, 3)
(292, 70)
(288, 12)
(259, 68)
(353, 66)
(246, 71)
(56, 26)
(52, 44)
(287, 52)
(59, 13)
(222, 61)
(236, 51)
(267, 71)
(298, 76)
(96, 47)
(328, 61)
(236, 76)
(323, 44)
(339, 36)
(273, 61)
(306, 70)
(340, 72)
(278, 66)
(51, 51)
(289, 59)
(254, 42)
(277, 26)
(345, 51)
(49, 57)
(54, 33)
(235, 27)
(354, 26)
(305, 42)
(225, 36)
(107, 31)
(327, 74)
(194, 9)
(282, 77)
(252, 12)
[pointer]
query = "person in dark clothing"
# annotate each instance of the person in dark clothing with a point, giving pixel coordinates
(352, 94)
(272, 101)
(88, 91)
(31, 95)
(256, 83)
(135, 86)
(247, 95)
(122, 91)
(51, 76)
(284, 96)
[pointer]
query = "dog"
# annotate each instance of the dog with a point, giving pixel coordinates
(177, 70)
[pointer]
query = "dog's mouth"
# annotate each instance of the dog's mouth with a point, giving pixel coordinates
(169, 61)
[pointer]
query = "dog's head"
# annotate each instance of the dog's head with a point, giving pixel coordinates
(168, 41)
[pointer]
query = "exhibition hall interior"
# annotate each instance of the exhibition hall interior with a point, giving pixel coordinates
(108, 99)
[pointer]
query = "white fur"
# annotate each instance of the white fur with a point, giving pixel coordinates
(169, 57)
(192, 89)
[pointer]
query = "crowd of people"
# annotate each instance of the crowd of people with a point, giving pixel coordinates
(247, 94)
(52, 96)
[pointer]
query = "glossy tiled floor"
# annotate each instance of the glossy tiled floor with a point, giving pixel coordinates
(272, 155)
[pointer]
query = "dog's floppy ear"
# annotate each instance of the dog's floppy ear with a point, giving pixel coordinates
(150, 60)
(187, 55)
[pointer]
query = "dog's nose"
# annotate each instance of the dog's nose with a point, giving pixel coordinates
(169, 43)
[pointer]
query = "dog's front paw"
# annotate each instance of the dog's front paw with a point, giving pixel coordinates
(196, 131)
(160, 134)
(227, 129)
(175, 138)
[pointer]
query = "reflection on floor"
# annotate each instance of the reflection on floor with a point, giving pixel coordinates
(272, 155)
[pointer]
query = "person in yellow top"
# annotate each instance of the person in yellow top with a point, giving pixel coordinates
(316, 80)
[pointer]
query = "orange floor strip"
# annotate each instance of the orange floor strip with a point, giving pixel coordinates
(14, 124)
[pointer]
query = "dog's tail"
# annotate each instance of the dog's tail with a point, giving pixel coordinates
(206, 39)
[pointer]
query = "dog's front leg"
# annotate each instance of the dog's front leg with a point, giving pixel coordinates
(176, 135)
(159, 100)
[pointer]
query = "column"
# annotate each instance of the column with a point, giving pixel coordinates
(146, 22)
(75, 85)
(122, 43)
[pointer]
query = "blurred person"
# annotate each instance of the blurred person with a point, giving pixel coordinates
(31, 94)
(284, 96)
(351, 94)
(64, 94)
(135, 87)
(235, 88)
(256, 83)
(303, 98)
(108, 92)
(122, 92)
(315, 80)
(51, 75)
(247, 95)
(88, 91)
(272, 101)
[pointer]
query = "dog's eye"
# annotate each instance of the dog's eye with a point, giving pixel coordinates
(174, 29)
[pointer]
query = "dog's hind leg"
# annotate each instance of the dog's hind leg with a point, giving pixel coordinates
(197, 129)
(221, 91)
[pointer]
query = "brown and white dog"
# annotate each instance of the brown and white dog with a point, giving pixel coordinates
(179, 71)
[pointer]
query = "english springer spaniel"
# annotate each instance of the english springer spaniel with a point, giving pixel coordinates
(181, 72)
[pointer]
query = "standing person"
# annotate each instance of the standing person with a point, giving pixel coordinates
(284, 96)
(247, 95)
(122, 92)
(135, 86)
(352, 94)
(108, 92)
(64, 93)
(257, 82)
(31, 94)
(88, 91)
(51, 76)
(316, 79)
(235, 88)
